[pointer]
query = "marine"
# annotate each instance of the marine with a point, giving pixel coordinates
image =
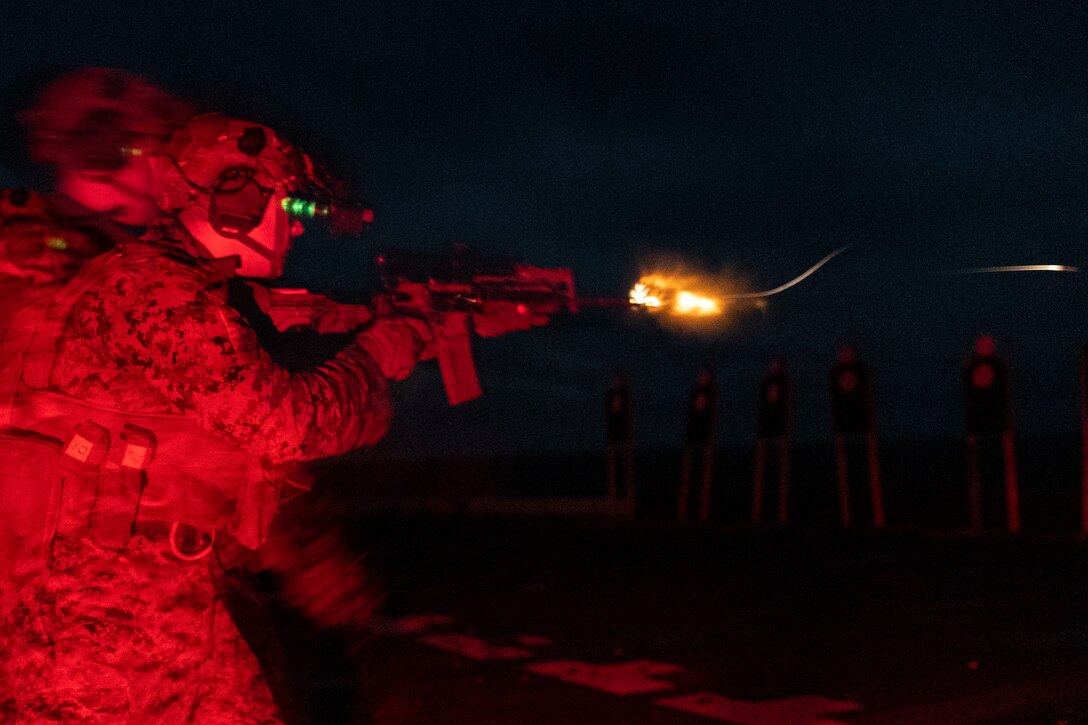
(174, 434)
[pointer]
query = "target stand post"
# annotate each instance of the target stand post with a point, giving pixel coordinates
(852, 417)
(774, 421)
(699, 447)
(988, 409)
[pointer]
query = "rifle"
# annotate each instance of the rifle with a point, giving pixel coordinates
(456, 293)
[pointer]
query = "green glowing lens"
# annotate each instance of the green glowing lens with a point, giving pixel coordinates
(300, 208)
(56, 243)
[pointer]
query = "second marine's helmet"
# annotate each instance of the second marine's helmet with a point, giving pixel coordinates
(96, 128)
(228, 181)
(95, 119)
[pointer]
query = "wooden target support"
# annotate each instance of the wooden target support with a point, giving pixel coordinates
(703, 456)
(783, 513)
(699, 447)
(619, 450)
(1084, 441)
(989, 414)
(851, 417)
(1011, 477)
(842, 477)
(773, 427)
(621, 456)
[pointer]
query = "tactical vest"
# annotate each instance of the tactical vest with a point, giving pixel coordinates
(121, 471)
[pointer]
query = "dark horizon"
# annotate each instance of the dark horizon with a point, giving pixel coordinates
(752, 139)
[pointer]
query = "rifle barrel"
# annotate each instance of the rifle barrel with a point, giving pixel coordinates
(604, 302)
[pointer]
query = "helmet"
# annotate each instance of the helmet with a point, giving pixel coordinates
(95, 119)
(227, 180)
(97, 127)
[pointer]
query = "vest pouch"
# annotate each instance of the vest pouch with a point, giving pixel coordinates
(30, 493)
(124, 478)
(192, 475)
(81, 472)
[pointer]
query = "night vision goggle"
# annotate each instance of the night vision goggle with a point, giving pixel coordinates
(237, 204)
(342, 218)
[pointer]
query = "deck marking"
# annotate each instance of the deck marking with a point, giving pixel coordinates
(635, 677)
(622, 678)
(808, 709)
(418, 623)
(474, 647)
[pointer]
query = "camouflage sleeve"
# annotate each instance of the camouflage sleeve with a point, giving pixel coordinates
(200, 354)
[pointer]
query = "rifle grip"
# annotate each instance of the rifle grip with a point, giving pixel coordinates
(454, 348)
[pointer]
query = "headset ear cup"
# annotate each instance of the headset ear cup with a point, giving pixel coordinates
(237, 204)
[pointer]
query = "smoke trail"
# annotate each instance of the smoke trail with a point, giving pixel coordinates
(796, 280)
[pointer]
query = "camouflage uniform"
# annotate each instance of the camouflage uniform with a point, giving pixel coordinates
(132, 634)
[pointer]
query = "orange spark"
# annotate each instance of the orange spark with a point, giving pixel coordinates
(691, 294)
(688, 295)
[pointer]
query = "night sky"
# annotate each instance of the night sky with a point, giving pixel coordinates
(752, 138)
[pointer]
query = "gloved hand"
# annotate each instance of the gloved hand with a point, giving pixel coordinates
(336, 590)
(396, 342)
(495, 324)
(317, 572)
